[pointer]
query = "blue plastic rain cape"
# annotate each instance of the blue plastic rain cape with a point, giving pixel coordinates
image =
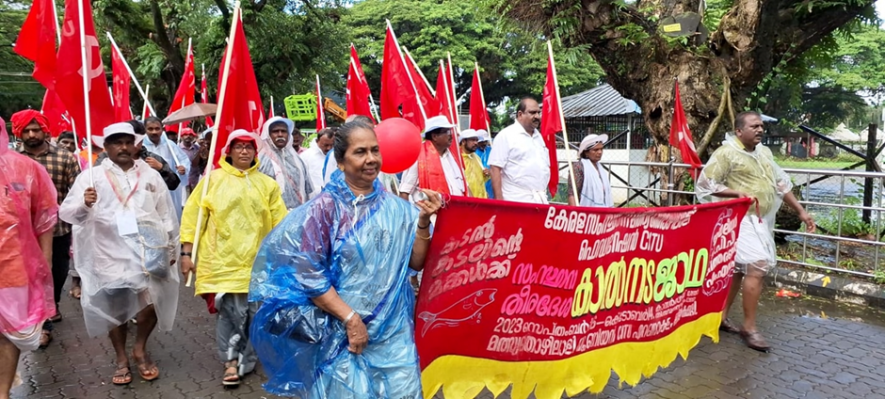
(361, 246)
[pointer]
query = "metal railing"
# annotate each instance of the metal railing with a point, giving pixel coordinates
(849, 236)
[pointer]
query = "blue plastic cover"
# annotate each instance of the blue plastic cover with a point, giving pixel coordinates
(361, 246)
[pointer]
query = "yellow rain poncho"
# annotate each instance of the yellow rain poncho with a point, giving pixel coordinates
(476, 180)
(241, 207)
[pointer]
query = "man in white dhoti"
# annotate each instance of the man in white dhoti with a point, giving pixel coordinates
(520, 162)
(159, 144)
(279, 160)
(743, 168)
(125, 242)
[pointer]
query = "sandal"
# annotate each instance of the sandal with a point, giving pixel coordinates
(122, 376)
(147, 369)
(755, 341)
(75, 292)
(45, 339)
(231, 378)
(57, 318)
(729, 327)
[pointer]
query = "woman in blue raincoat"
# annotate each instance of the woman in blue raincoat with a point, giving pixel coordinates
(336, 315)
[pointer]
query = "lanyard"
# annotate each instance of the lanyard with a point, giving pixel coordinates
(115, 186)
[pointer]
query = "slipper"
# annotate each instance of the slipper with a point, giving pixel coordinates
(75, 292)
(230, 378)
(729, 327)
(755, 341)
(147, 369)
(122, 376)
(57, 318)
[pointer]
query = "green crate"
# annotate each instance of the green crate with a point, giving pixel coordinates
(301, 107)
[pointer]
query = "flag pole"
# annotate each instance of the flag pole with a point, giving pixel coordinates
(321, 116)
(84, 69)
(272, 114)
(190, 50)
(214, 144)
(482, 97)
(571, 169)
(55, 18)
(456, 133)
(454, 99)
(360, 77)
(415, 65)
(403, 60)
(144, 108)
(134, 79)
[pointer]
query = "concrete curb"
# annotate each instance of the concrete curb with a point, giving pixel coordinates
(838, 288)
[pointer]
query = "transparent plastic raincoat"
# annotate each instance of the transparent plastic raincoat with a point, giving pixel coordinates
(121, 273)
(285, 166)
(28, 208)
(241, 207)
(175, 157)
(754, 173)
(361, 246)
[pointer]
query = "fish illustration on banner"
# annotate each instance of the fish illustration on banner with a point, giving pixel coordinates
(552, 299)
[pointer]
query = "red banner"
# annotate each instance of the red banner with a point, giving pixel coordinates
(553, 298)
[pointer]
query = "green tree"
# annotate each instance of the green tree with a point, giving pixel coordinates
(513, 63)
(17, 89)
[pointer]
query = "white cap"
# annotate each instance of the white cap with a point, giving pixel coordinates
(437, 122)
(468, 134)
(483, 135)
(115, 129)
(590, 141)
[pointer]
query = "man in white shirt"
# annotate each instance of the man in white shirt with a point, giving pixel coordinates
(520, 162)
(436, 168)
(315, 155)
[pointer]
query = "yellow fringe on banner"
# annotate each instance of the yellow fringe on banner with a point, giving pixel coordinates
(465, 377)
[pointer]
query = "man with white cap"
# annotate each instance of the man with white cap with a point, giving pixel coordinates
(520, 162)
(436, 168)
(476, 175)
(590, 177)
(125, 243)
(279, 160)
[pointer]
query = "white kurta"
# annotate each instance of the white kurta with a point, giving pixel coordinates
(525, 164)
(315, 159)
(165, 149)
(113, 263)
(450, 170)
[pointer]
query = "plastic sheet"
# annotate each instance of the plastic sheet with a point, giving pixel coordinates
(285, 166)
(121, 274)
(174, 156)
(360, 246)
(754, 173)
(28, 209)
(241, 207)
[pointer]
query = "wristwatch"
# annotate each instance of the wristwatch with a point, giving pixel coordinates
(188, 254)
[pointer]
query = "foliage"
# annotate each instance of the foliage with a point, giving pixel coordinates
(513, 62)
(17, 89)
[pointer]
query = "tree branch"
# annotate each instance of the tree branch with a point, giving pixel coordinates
(225, 14)
(173, 55)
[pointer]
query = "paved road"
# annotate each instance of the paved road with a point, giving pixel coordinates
(823, 350)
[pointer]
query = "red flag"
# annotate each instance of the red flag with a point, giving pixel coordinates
(551, 122)
(54, 110)
(397, 87)
(321, 113)
(204, 95)
(680, 135)
(479, 114)
(238, 98)
(443, 94)
(187, 88)
(357, 88)
(122, 112)
(145, 110)
(428, 102)
(37, 39)
(69, 75)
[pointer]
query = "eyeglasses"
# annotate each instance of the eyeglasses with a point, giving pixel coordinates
(243, 147)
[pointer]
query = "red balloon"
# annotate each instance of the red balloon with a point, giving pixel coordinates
(400, 143)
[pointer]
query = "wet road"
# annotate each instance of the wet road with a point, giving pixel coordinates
(822, 350)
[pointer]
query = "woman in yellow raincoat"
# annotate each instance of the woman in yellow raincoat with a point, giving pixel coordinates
(241, 206)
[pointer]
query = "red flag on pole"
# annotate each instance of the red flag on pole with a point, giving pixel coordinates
(37, 39)
(204, 94)
(397, 85)
(239, 102)
(89, 106)
(453, 97)
(54, 110)
(145, 110)
(479, 114)
(122, 112)
(551, 121)
(427, 99)
(321, 113)
(680, 135)
(187, 88)
(446, 108)
(358, 92)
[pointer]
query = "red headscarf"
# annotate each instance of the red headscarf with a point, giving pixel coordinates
(24, 118)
